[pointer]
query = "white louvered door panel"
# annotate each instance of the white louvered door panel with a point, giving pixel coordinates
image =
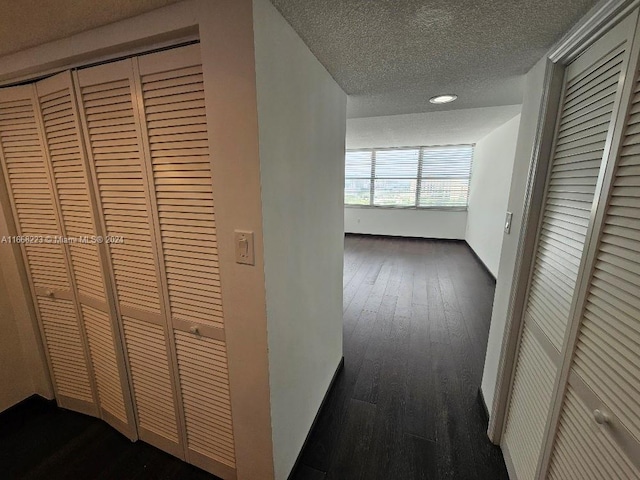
(182, 176)
(62, 138)
(584, 451)
(178, 149)
(205, 392)
(63, 144)
(607, 357)
(105, 364)
(585, 121)
(605, 369)
(65, 348)
(28, 181)
(151, 377)
(531, 396)
(112, 135)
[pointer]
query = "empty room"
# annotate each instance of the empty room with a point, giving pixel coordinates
(329, 240)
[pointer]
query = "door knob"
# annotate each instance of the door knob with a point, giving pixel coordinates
(601, 418)
(50, 293)
(195, 330)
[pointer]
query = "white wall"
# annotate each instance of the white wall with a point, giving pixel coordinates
(534, 83)
(23, 371)
(302, 116)
(406, 223)
(464, 126)
(15, 380)
(434, 128)
(493, 160)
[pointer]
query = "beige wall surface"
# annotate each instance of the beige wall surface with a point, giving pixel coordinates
(302, 117)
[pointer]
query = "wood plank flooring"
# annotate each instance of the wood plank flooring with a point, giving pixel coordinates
(404, 407)
(41, 441)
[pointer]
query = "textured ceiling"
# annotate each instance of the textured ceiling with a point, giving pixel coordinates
(391, 56)
(27, 23)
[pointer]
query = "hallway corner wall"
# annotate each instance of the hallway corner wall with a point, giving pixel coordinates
(23, 371)
(492, 169)
(302, 123)
(534, 84)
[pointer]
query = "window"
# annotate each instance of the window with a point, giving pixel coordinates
(417, 177)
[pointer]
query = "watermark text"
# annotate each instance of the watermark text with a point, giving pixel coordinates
(57, 239)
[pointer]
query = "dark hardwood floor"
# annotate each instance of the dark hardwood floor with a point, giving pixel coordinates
(40, 441)
(404, 407)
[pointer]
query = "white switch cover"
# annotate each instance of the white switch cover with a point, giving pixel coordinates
(244, 247)
(507, 223)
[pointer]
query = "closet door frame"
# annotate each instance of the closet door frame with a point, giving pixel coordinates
(527, 245)
(581, 37)
(592, 244)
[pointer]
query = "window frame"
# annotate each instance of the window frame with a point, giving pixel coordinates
(416, 206)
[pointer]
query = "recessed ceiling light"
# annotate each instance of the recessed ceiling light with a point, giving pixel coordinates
(443, 99)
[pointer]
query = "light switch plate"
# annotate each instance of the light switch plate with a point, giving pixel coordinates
(244, 247)
(507, 223)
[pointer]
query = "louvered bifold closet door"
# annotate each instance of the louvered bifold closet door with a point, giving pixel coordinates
(28, 179)
(591, 89)
(107, 99)
(61, 127)
(176, 138)
(605, 371)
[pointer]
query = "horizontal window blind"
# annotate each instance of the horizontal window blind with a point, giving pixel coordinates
(418, 177)
(358, 173)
